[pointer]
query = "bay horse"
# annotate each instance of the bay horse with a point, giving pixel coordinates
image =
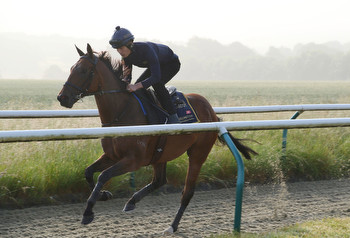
(96, 74)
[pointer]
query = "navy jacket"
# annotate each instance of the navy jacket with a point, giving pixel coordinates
(151, 56)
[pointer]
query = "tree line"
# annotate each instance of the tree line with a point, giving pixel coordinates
(208, 59)
(50, 57)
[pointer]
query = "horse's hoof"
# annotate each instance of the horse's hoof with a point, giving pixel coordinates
(169, 231)
(129, 207)
(105, 195)
(87, 219)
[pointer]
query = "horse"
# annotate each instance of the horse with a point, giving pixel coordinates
(95, 73)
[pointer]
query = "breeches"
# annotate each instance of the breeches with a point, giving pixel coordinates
(168, 71)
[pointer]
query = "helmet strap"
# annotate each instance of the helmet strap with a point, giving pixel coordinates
(130, 44)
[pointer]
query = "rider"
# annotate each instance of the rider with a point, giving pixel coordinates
(161, 63)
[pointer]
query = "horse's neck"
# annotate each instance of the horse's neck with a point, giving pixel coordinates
(112, 107)
(108, 103)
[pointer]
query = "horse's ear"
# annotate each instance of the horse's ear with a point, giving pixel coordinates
(80, 52)
(89, 50)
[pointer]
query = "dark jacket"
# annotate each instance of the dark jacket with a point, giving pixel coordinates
(151, 56)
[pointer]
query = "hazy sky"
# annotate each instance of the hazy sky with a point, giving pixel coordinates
(255, 23)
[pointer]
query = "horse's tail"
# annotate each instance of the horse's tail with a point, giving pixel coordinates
(246, 151)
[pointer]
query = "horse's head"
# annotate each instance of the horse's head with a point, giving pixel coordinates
(82, 80)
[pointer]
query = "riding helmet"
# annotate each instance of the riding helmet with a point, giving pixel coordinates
(121, 37)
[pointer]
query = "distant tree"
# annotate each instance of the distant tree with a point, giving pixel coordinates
(239, 51)
(279, 53)
(315, 62)
(55, 72)
(344, 67)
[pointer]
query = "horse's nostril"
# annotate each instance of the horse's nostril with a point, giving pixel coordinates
(60, 97)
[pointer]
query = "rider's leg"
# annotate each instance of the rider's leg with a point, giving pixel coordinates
(165, 100)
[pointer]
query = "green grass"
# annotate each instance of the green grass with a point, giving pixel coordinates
(41, 172)
(330, 227)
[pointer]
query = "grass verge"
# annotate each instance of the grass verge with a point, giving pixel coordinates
(41, 172)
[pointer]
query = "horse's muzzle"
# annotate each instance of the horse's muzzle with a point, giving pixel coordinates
(64, 101)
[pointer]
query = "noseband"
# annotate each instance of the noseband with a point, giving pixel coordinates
(85, 92)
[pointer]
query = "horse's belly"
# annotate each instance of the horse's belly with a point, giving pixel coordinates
(177, 145)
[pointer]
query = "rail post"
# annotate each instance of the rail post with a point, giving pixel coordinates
(285, 132)
(240, 177)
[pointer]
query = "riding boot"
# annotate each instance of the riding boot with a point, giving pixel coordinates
(173, 119)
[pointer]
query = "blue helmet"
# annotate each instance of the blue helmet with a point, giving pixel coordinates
(121, 37)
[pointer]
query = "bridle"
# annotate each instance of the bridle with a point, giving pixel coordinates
(87, 83)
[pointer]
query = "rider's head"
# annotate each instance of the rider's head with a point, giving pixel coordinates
(121, 37)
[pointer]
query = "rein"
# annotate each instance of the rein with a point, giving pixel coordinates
(85, 92)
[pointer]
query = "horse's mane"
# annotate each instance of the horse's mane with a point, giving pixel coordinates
(113, 64)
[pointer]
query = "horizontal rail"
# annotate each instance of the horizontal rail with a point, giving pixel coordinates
(94, 133)
(281, 108)
(8, 114)
(12, 114)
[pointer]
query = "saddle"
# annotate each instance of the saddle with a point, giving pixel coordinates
(157, 115)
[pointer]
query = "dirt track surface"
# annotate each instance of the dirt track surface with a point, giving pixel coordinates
(265, 208)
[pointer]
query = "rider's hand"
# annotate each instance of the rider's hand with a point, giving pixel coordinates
(134, 87)
(126, 81)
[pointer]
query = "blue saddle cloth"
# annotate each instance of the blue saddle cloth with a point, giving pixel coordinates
(156, 115)
(184, 110)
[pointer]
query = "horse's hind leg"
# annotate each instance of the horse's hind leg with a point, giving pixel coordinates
(197, 156)
(187, 194)
(159, 179)
(99, 165)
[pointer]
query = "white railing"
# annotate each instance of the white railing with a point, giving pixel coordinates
(220, 127)
(8, 114)
(93, 133)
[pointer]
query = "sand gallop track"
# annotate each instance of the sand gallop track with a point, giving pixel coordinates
(265, 208)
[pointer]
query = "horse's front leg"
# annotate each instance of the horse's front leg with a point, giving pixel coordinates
(117, 169)
(159, 179)
(99, 165)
